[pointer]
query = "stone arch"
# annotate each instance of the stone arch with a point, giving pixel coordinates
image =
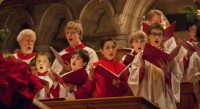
(52, 25)
(133, 13)
(96, 16)
(129, 20)
(16, 21)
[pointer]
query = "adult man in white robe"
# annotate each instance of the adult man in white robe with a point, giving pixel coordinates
(26, 40)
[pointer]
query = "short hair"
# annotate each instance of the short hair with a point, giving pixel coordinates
(83, 54)
(24, 33)
(32, 62)
(155, 26)
(137, 35)
(198, 33)
(191, 23)
(152, 13)
(104, 40)
(76, 25)
(49, 56)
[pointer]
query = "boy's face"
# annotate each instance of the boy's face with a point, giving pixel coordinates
(72, 36)
(27, 44)
(77, 62)
(192, 31)
(109, 50)
(42, 63)
(156, 38)
(138, 45)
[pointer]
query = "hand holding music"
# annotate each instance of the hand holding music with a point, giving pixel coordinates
(116, 83)
(91, 73)
(164, 66)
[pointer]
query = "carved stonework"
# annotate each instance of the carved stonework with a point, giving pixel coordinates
(118, 23)
(100, 18)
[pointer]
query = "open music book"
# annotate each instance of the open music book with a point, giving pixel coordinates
(186, 45)
(77, 77)
(154, 55)
(128, 59)
(102, 70)
(64, 59)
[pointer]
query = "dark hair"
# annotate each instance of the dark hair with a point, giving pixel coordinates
(32, 62)
(49, 56)
(83, 54)
(191, 23)
(104, 40)
(198, 33)
(155, 26)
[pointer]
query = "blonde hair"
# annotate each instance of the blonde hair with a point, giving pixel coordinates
(152, 13)
(25, 33)
(137, 35)
(75, 25)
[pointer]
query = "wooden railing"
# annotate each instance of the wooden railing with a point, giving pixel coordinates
(188, 98)
(126, 102)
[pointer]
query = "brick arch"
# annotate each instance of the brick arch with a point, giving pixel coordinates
(52, 25)
(92, 16)
(15, 22)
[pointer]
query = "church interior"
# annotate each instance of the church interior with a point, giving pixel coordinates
(99, 19)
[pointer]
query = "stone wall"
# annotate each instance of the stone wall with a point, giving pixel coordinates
(100, 18)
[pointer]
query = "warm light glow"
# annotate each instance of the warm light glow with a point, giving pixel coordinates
(198, 14)
(1, 1)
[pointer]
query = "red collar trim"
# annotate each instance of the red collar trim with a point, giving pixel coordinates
(25, 56)
(70, 49)
(134, 53)
(42, 74)
(191, 40)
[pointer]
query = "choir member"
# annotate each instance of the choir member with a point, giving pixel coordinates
(156, 16)
(43, 62)
(159, 85)
(26, 40)
(137, 41)
(102, 86)
(79, 60)
(74, 34)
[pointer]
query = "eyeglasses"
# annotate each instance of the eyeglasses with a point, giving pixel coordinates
(156, 34)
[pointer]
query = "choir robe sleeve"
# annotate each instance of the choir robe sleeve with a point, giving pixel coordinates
(86, 90)
(193, 68)
(93, 57)
(170, 44)
(176, 78)
(56, 66)
(123, 87)
(133, 79)
(180, 57)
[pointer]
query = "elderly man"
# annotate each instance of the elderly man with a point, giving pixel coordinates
(26, 40)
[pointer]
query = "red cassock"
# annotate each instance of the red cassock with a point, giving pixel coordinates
(102, 86)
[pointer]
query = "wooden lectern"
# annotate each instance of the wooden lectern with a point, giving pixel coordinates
(126, 102)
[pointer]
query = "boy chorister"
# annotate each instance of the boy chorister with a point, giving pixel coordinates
(137, 41)
(192, 74)
(156, 16)
(159, 85)
(80, 59)
(74, 34)
(184, 54)
(100, 86)
(43, 62)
